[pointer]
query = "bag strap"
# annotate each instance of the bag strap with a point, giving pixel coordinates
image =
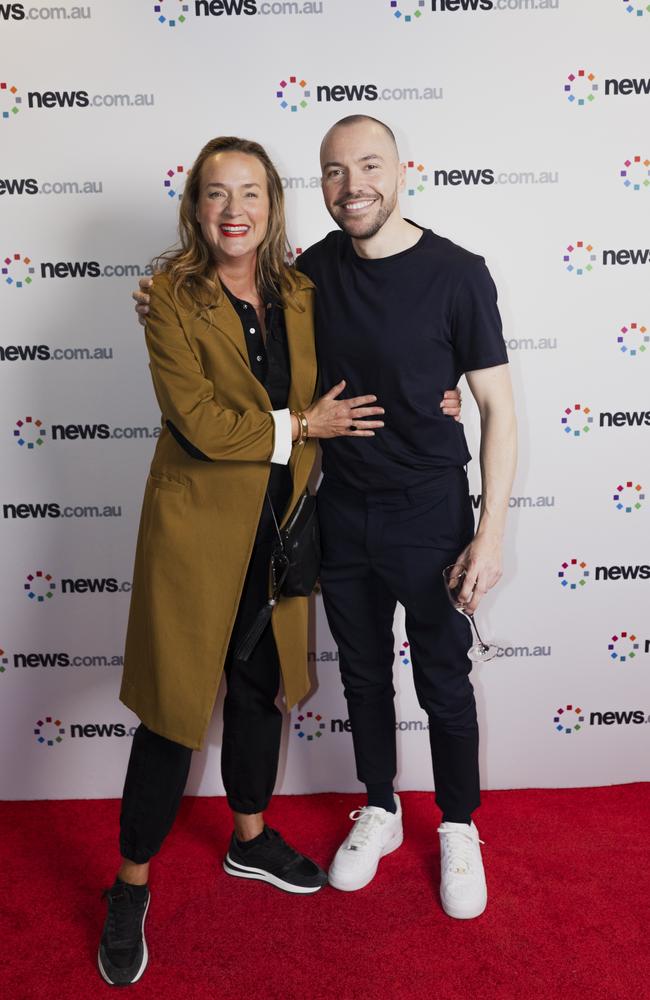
(275, 520)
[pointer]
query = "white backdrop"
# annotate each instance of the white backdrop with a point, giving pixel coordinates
(526, 124)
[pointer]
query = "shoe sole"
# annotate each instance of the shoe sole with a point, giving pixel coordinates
(145, 956)
(459, 915)
(388, 848)
(240, 871)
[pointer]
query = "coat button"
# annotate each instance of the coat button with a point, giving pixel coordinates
(259, 357)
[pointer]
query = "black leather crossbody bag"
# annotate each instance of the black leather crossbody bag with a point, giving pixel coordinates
(295, 564)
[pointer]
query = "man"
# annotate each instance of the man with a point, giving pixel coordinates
(406, 312)
(403, 313)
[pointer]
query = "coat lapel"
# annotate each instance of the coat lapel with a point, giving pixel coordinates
(298, 315)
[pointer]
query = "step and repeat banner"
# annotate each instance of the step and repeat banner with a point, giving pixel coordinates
(524, 125)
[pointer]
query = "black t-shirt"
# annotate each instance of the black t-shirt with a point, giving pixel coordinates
(405, 328)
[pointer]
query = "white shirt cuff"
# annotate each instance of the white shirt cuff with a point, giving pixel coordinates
(282, 446)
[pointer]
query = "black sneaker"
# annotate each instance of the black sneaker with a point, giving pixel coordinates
(272, 860)
(122, 955)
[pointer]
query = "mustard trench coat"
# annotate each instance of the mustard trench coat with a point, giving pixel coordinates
(199, 518)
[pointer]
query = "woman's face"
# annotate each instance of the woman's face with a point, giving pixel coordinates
(233, 205)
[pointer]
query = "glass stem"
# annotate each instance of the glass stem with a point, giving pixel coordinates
(473, 624)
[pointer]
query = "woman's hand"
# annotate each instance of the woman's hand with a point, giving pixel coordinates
(330, 417)
(451, 402)
(141, 298)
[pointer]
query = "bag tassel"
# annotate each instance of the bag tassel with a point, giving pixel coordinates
(255, 632)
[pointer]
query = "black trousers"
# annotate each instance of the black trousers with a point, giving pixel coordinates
(380, 548)
(252, 725)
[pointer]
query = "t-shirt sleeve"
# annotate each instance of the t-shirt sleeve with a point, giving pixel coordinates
(476, 329)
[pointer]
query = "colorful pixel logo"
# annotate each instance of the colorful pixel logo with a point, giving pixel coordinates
(171, 13)
(573, 574)
(636, 173)
(401, 15)
(174, 182)
(10, 100)
(632, 339)
(403, 654)
(579, 258)
(17, 270)
(416, 178)
(568, 720)
(639, 9)
(29, 433)
(4, 661)
(49, 731)
(293, 93)
(309, 726)
(39, 587)
(623, 647)
(581, 88)
(577, 420)
(628, 497)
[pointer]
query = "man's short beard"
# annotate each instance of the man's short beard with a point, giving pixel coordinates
(380, 219)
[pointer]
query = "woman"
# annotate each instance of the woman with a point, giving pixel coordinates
(231, 346)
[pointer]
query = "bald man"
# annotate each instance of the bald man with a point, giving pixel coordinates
(406, 312)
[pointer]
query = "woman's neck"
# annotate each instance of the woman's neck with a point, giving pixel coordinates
(239, 275)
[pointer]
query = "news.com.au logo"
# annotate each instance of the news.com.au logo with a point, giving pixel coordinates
(309, 726)
(410, 11)
(623, 647)
(4, 661)
(49, 731)
(10, 99)
(568, 720)
(174, 181)
(572, 719)
(29, 433)
(635, 173)
(416, 178)
(17, 270)
(577, 420)
(573, 574)
(292, 93)
(579, 257)
(582, 88)
(171, 12)
(633, 339)
(629, 496)
(39, 586)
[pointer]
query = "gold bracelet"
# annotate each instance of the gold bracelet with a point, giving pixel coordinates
(301, 429)
(304, 427)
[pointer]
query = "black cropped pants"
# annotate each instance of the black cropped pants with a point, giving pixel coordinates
(252, 725)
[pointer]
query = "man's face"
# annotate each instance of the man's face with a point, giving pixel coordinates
(361, 177)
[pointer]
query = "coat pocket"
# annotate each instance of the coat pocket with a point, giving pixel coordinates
(162, 482)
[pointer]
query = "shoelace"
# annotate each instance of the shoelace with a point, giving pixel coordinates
(364, 825)
(459, 851)
(124, 918)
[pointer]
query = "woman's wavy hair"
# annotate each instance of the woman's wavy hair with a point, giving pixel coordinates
(190, 264)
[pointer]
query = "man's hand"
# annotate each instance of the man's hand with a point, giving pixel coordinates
(481, 564)
(142, 299)
(451, 402)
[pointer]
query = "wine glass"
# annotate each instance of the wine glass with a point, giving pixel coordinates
(480, 651)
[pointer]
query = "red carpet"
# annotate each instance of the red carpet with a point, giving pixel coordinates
(568, 916)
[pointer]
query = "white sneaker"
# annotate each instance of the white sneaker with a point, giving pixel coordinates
(463, 891)
(375, 833)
